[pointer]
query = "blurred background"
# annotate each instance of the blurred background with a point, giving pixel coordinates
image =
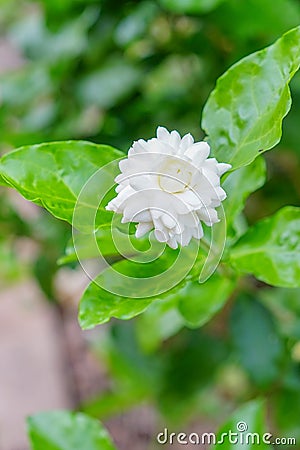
(111, 72)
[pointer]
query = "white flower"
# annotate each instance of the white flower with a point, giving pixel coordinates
(169, 184)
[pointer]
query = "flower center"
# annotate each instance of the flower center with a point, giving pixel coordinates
(175, 176)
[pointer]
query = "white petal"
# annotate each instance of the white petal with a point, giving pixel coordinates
(215, 202)
(155, 214)
(162, 134)
(118, 203)
(143, 216)
(208, 215)
(178, 230)
(175, 139)
(191, 198)
(168, 221)
(151, 146)
(120, 187)
(211, 164)
(121, 178)
(204, 189)
(158, 146)
(132, 209)
(138, 147)
(197, 232)
(198, 152)
(186, 142)
(123, 164)
(143, 228)
(189, 220)
(221, 194)
(110, 206)
(223, 167)
(141, 181)
(161, 236)
(172, 243)
(211, 177)
(186, 237)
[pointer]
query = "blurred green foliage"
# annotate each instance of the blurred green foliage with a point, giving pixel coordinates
(111, 72)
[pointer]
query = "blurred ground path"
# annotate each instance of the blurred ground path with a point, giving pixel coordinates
(32, 372)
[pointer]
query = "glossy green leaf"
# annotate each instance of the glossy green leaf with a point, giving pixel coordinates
(53, 174)
(98, 306)
(105, 242)
(3, 182)
(199, 302)
(238, 186)
(190, 6)
(256, 341)
(243, 115)
(63, 430)
(270, 249)
(128, 287)
(248, 426)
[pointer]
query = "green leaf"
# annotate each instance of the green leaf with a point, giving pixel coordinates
(128, 287)
(105, 242)
(259, 348)
(3, 182)
(199, 302)
(190, 6)
(270, 249)
(53, 174)
(252, 415)
(63, 430)
(243, 115)
(98, 306)
(238, 186)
